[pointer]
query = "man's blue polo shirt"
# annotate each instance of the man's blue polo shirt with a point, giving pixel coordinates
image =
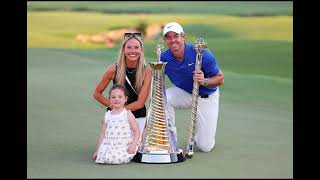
(180, 73)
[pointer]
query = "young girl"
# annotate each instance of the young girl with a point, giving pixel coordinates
(117, 144)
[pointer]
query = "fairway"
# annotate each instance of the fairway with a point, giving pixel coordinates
(254, 135)
(253, 46)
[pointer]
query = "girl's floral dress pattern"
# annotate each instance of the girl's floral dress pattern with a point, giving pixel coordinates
(113, 148)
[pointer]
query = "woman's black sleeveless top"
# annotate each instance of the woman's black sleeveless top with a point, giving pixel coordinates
(132, 96)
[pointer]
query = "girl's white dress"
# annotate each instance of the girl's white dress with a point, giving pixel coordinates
(114, 146)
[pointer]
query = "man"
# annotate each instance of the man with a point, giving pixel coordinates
(181, 60)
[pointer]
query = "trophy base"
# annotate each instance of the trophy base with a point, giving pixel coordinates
(157, 157)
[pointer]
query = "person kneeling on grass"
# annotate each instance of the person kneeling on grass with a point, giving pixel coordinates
(117, 144)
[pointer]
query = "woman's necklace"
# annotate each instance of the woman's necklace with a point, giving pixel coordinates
(131, 70)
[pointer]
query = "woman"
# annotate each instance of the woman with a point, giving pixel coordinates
(130, 71)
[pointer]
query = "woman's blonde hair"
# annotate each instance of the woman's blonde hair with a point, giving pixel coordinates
(121, 67)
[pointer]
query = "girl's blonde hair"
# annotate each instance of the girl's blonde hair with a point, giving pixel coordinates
(121, 67)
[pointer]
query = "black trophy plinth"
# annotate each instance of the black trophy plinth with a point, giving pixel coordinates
(159, 158)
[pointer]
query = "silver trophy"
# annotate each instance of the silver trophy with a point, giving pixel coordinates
(200, 45)
(158, 142)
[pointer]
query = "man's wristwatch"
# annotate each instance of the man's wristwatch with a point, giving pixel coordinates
(205, 82)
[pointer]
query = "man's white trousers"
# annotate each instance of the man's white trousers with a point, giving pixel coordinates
(207, 115)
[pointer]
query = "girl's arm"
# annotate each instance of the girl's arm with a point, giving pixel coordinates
(136, 133)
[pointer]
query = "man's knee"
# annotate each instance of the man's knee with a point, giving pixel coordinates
(205, 146)
(169, 97)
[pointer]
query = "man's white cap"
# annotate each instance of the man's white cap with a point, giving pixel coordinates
(174, 27)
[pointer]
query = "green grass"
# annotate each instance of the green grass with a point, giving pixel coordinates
(254, 135)
(174, 7)
(271, 58)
